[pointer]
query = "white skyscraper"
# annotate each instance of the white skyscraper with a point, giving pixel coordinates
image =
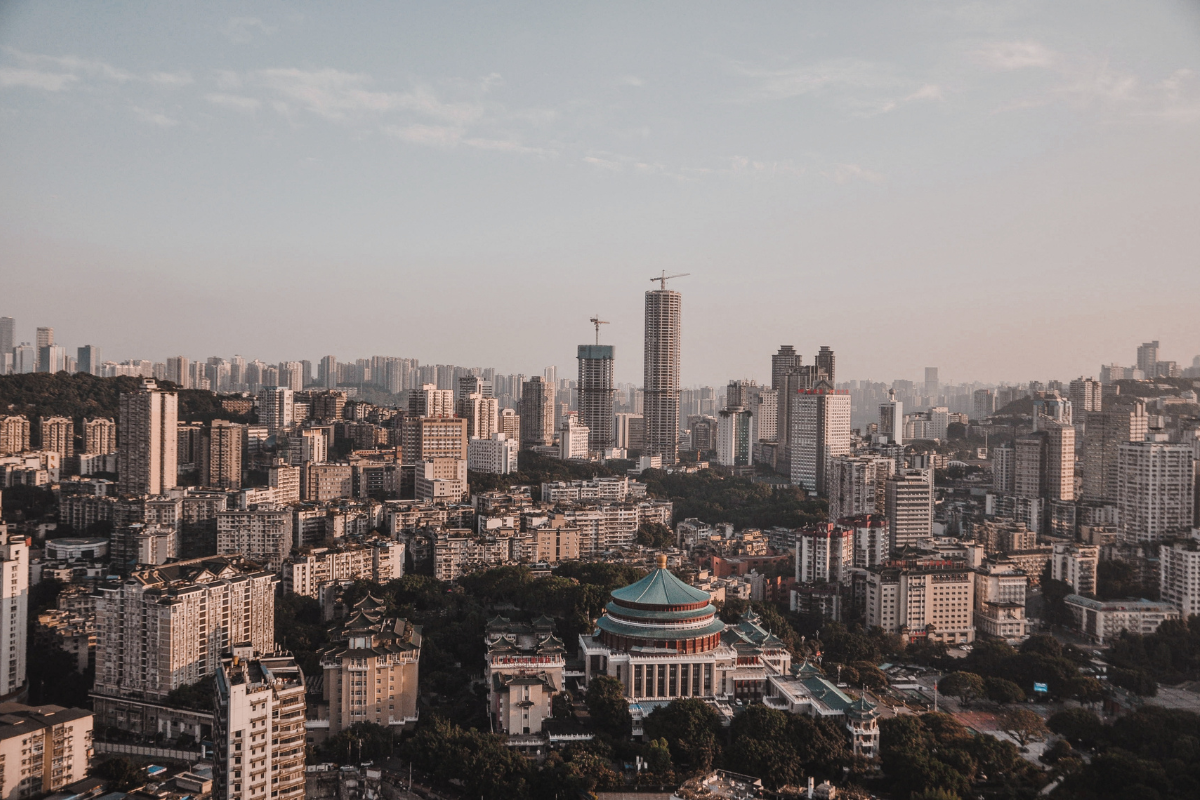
(1156, 482)
(14, 610)
(146, 460)
(820, 431)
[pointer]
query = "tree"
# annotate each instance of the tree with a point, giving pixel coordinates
(607, 706)
(362, 741)
(690, 728)
(1023, 725)
(655, 534)
(120, 774)
(966, 686)
(1077, 725)
(658, 756)
(1135, 680)
(1002, 691)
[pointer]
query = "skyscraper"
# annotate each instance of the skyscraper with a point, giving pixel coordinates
(1085, 394)
(1105, 432)
(8, 335)
(784, 363)
(1156, 489)
(820, 430)
(537, 413)
(596, 393)
(274, 408)
(179, 371)
(1147, 358)
(825, 363)
(221, 456)
(88, 359)
(45, 338)
(891, 419)
(14, 610)
(146, 460)
(664, 310)
(932, 385)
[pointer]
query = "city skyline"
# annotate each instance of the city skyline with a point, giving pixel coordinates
(1008, 173)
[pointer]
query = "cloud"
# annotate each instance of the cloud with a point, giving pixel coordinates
(241, 30)
(234, 101)
(846, 173)
(337, 95)
(73, 69)
(630, 80)
(154, 118)
(36, 79)
(450, 137)
(862, 87)
(1008, 56)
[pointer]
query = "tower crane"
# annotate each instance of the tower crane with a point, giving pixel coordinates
(662, 279)
(598, 322)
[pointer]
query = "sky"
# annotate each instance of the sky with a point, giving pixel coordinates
(1006, 190)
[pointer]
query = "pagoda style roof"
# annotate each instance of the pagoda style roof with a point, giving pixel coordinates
(862, 708)
(667, 632)
(660, 588)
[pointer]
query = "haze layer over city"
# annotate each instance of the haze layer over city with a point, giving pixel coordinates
(678, 401)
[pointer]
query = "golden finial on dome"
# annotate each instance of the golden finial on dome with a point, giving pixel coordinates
(662, 560)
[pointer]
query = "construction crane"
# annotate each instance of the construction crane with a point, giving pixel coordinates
(598, 322)
(662, 279)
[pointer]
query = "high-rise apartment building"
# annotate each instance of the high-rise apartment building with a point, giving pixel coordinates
(146, 460)
(573, 439)
(258, 727)
(1156, 486)
(327, 372)
(1045, 463)
(474, 384)
(45, 338)
(664, 310)
(857, 485)
(275, 408)
(735, 436)
(262, 534)
(430, 401)
(766, 415)
(14, 434)
(824, 553)
(1004, 469)
(820, 431)
(14, 611)
(984, 404)
(99, 436)
(58, 435)
(537, 413)
(510, 425)
(378, 560)
(910, 506)
(88, 359)
(433, 437)
(1085, 395)
(1076, 564)
(371, 671)
(891, 419)
(167, 626)
(596, 391)
(221, 463)
(179, 371)
(1105, 432)
(481, 413)
(1147, 359)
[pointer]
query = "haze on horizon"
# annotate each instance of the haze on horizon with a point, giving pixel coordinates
(1008, 191)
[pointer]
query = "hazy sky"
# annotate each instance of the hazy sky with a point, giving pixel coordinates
(1005, 190)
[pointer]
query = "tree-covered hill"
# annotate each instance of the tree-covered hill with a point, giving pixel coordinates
(79, 395)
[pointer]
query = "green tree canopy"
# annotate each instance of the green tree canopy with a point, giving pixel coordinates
(607, 706)
(690, 727)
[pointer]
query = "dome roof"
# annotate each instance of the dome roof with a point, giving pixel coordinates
(660, 588)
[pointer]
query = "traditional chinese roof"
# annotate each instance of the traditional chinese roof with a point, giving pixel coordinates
(660, 588)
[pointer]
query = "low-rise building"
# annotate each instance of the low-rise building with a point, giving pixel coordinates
(1101, 620)
(377, 560)
(523, 673)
